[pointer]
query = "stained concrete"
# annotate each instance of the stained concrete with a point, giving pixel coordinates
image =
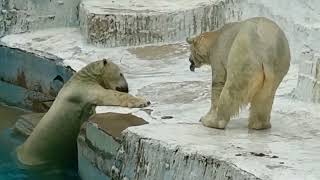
(289, 150)
(128, 23)
(156, 52)
(99, 141)
(18, 16)
(27, 122)
(29, 80)
(8, 116)
(114, 123)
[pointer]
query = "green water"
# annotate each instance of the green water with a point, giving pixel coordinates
(10, 169)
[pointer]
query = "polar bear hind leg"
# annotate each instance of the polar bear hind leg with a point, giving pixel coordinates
(262, 101)
(261, 106)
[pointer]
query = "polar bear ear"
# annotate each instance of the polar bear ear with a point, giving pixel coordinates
(105, 62)
(189, 40)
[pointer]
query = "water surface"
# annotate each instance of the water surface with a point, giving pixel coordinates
(10, 169)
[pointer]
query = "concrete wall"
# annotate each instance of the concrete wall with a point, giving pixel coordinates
(145, 158)
(26, 15)
(28, 79)
(123, 24)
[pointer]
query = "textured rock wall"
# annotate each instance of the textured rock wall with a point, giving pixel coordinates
(25, 15)
(144, 159)
(308, 87)
(126, 29)
(27, 79)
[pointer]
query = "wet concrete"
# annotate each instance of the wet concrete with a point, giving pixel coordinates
(99, 141)
(159, 52)
(28, 80)
(26, 123)
(190, 91)
(128, 23)
(9, 115)
(114, 123)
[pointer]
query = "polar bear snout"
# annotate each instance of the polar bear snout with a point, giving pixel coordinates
(123, 89)
(192, 65)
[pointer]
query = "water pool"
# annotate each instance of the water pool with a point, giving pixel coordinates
(10, 169)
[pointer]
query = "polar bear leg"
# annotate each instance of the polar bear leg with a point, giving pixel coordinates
(227, 106)
(261, 104)
(215, 96)
(106, 97)
(260, 110)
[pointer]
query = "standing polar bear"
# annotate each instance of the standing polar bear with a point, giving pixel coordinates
(54, 138)
(248, 60)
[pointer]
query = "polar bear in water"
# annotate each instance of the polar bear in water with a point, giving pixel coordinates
(100, 83)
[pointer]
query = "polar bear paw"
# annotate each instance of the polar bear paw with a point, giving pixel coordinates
(210, 120)
(137, 102)
(259, 125)
(218, 124)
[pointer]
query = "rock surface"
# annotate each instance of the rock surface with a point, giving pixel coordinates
(18, 16)
(26, 123)
(197, 152)
(99, 141)
(128, 23)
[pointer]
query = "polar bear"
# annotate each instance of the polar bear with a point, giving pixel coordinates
(248, 59)
(98, 84)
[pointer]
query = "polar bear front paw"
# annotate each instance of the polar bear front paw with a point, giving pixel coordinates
(214, 123)
(210, 120)
(138, 102)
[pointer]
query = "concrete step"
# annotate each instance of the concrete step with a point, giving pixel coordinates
(99, 142)
(23, 16)
(138, 22)
(26, 123)
(308, 87)
(29, 80)
(191, 151)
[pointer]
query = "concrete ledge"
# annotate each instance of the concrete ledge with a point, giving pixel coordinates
(18, 16)
(99, 141)
(34, 79)
(308, 87)
(26, 123)
(191, 151)
(127, 23)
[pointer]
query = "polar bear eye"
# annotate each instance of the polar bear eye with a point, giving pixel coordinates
(121, 74)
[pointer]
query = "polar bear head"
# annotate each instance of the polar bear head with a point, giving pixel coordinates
(105, 73)
(199, 47)
(112, 77)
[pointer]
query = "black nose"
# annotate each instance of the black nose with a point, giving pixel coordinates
(122, 89)
(192, 66)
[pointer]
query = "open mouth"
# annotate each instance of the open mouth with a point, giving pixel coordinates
(122, 89)
(192, 65)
